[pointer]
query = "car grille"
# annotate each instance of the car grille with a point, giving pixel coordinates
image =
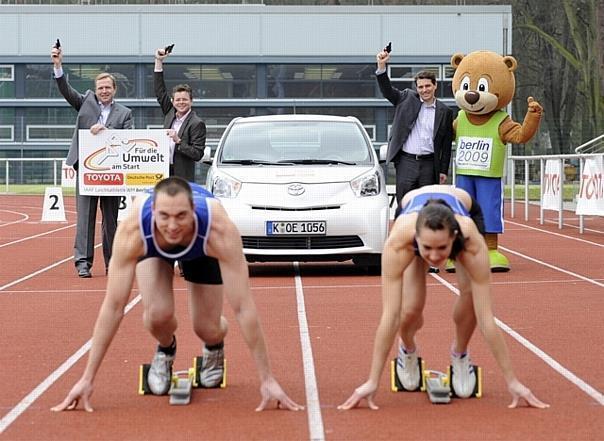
(301, 242)
(266, 208)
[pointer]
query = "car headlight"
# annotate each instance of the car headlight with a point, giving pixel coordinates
(225, 187)
(366, 185)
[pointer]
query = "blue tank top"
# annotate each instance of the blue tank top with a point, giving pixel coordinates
(197, 247)
(418, 202)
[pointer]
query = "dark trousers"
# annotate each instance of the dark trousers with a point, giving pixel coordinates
(412, 173)
(83, 249)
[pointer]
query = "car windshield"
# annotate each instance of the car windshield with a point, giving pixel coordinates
(296, 142)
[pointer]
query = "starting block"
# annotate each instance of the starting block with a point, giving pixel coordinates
(395, 382)
(182, 382)
(437, 387)
(180, 389)
(477, 393)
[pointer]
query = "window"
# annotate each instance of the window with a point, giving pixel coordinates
(7, 133)
(208, 80)
(320, 81)
(49, 133)
(215, 131)
(40, 79)
(7, 72)
(7, 81)
(370, 129)
(402, 72)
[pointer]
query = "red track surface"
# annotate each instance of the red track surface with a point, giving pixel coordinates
(553, 297)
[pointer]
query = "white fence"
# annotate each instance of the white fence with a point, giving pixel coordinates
(547, 181)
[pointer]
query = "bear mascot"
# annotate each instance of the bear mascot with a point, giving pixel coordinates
(483, 85)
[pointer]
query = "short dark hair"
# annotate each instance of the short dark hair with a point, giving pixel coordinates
(437, 215)
(425, 75)
(173, 186)
(182, 88)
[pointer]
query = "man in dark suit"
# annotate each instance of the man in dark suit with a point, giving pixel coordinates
(421, 133)
(186, 130)
(97, 111)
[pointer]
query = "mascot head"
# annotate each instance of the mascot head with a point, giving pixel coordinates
(483, 82)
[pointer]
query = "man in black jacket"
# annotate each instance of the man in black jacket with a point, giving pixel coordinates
(421, 133)
(186, 130)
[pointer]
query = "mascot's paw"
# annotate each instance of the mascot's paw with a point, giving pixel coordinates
(450, 266)
(499, 263)
(534, 106)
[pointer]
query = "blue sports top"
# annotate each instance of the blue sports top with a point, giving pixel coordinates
(418, 202)
(197, 247)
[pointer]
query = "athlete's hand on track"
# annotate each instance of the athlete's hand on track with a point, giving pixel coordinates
(520, 391)
(82, 390)
(365, 391)
(271, 390)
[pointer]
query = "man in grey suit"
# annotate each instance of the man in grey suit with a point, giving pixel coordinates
(96, 111)
(422, 131)
(186, 130)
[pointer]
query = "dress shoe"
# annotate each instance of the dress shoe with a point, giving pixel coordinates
(84, 273)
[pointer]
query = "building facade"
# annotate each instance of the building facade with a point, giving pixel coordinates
(241, 60)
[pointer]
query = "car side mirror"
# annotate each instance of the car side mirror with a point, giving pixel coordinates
(383, 153)
(207, 156)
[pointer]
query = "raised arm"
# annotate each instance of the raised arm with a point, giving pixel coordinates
(390, 93)
(159, 84)
(224, 243)
(121, 276)
(72, 96)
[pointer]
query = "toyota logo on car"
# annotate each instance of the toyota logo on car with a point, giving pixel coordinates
(295, 189)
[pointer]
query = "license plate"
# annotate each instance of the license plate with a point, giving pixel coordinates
(274, 228)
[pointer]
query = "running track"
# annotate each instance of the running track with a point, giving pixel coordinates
(320, 322)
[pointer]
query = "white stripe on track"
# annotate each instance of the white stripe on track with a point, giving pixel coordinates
(16, 411)
(25, 218)
(554, 267)
(553, 233)
(36, 235)
(313, 405)
(589, 390)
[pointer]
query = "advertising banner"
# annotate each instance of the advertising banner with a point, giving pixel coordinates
(122, 162)
(590, 200)
(552, 185)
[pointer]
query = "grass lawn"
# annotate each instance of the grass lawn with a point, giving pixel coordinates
(569, 192)
(33, 189)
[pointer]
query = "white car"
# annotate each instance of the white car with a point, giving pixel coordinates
(302, 188)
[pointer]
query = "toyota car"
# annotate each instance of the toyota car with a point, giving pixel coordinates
(302, 188)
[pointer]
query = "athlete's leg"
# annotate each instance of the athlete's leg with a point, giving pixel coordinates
(463, 312)
(205, 307)
(414, 300)
(154, 279)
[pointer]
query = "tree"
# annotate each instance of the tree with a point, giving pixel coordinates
(578, 44)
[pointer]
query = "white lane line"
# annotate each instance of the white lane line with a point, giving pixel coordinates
(40, 271)
(554, 267)
(553, 233)
(576, 227)
(37, 235)
(16, 411)
(589, 390)
(25, 217)
(313, 405)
